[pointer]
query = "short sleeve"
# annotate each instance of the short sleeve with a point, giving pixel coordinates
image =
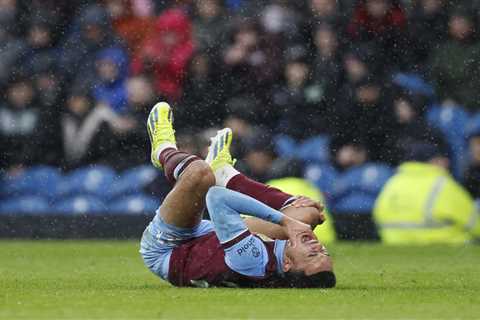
(247, 255)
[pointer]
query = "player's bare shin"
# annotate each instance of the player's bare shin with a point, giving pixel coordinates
(184, 205)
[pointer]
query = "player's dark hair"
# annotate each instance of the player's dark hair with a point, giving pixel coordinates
(324, 279)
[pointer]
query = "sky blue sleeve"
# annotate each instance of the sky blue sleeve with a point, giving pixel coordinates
(225, 206)
(248, 257)
(244, 253)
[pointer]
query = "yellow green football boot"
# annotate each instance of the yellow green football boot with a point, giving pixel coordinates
(219, 150)
(160, 130)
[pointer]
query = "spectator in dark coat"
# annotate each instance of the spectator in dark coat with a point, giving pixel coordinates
(200, 106)
(240, 117)
(366, 118)
(209, 25)
(249, 61)
(410, 127)
(90, 33)
(327, 68)
(259, 156)
(428, 27)
(60, 12)
(357, 66)
(47, 82)
(81, 131)
(40, 60)
(297, 103)
(11, 46)
(39, 64)
(455, 65)
(90, 133)
(49, 95)
(132, 139)
(40, 42)
(22, 134)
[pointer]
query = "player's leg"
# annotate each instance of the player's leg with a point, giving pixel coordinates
(191, 176)
(227, 176)
(184, 204)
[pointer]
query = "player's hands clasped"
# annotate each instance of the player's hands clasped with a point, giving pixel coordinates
(302, 201)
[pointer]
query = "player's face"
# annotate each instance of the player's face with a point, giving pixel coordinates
(309, 255)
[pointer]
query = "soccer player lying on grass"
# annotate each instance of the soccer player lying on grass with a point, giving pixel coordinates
(185, 250)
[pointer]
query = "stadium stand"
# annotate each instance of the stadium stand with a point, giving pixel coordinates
(320, 82)
(34, 205)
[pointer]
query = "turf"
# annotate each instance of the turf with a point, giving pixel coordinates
(107, 280)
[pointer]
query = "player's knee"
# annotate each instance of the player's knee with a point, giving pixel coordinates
(202, 175)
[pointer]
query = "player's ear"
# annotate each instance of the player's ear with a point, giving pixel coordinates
(287, 264)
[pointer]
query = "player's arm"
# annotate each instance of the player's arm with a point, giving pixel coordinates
(226, 206)
(302, 209)
(299, 208)
(245, 253)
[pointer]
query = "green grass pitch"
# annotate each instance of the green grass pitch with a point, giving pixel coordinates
(107, 280)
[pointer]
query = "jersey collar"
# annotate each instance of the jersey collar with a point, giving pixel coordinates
(279, 250)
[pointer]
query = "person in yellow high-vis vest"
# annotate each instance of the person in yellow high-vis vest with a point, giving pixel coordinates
(299, 186)
(423, 204)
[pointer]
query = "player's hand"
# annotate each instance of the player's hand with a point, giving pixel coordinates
(307, 202)
(296, 230)
(302, 201)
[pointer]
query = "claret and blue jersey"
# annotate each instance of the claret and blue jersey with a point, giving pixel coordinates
(218, 252)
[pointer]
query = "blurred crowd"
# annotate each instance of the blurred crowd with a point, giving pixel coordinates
(78, 79)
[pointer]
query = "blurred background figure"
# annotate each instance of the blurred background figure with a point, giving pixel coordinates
(84, 130)
(365, 117)
(409, 126)
(454, 64)
(209, 26)
(12, 45)
(90, 33)
(383, 23)
(297, 111)
(110, 88)
(165, 52)
(200, 106)
(348, 154)
(132, 20)
(21, 125)
(327, 66)
(249, 61)
(429, 24)
(258, 157)
(328, 11)
(423, 204)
